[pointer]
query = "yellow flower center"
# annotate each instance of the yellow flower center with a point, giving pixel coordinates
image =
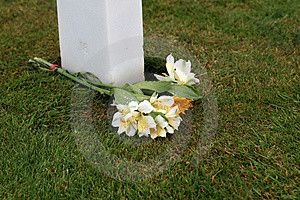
(143, 123)
(182, 103)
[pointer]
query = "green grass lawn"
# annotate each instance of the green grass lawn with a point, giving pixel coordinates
(250, 50)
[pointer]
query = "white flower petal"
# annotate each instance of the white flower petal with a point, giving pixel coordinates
(127, 117)
(163, 78)
(170, 129)
(170, 59)
(116, 122)
(161, 132)
(145, 107)
(180, 65)
(173, 112)
(165, 100)
(191, 79)
(123, 108)
(176, 122)
(188, 66)
(161, 122)
(170, 66)
(153, 98)
(182, 77)
(122, 128)
(162, 111)
(135, 114)
(192, 82)
(133, 106)
(183, 72)
(144, 125)
(153, 134)
(144, 133)
(131, 130)
(151, 122)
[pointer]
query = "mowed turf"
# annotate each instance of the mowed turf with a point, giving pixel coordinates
(250, 50)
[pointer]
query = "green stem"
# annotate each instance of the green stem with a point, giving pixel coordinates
(102, 91)
(101, 84)
(42, 61)
(86, 83)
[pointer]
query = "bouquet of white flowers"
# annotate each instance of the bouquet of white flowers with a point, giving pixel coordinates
(141, 108)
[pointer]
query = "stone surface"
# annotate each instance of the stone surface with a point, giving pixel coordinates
(104, 37)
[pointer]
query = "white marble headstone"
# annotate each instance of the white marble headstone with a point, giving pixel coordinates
(104, 37)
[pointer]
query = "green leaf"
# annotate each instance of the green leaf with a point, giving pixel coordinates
(141, 97)
(86, 75)
(155, 114)
(132, 88)
(157, 86)
(185, 91)
(123, 97)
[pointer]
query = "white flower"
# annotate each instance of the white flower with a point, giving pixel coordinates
(131, 118)
(124, 109)
(145, 107)
(170, 69)
(173, 119)
(165, 101)
(145, 123)
(164, 105)
(161, 121)
(160, 127)
(162, 100)
(170, 66)
(126, 119)
(179, 72)
(183, 72)
(135, 117)
(164, 78)
(133, 106)
(153, 98)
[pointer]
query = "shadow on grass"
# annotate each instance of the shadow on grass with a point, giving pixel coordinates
(140, 158)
